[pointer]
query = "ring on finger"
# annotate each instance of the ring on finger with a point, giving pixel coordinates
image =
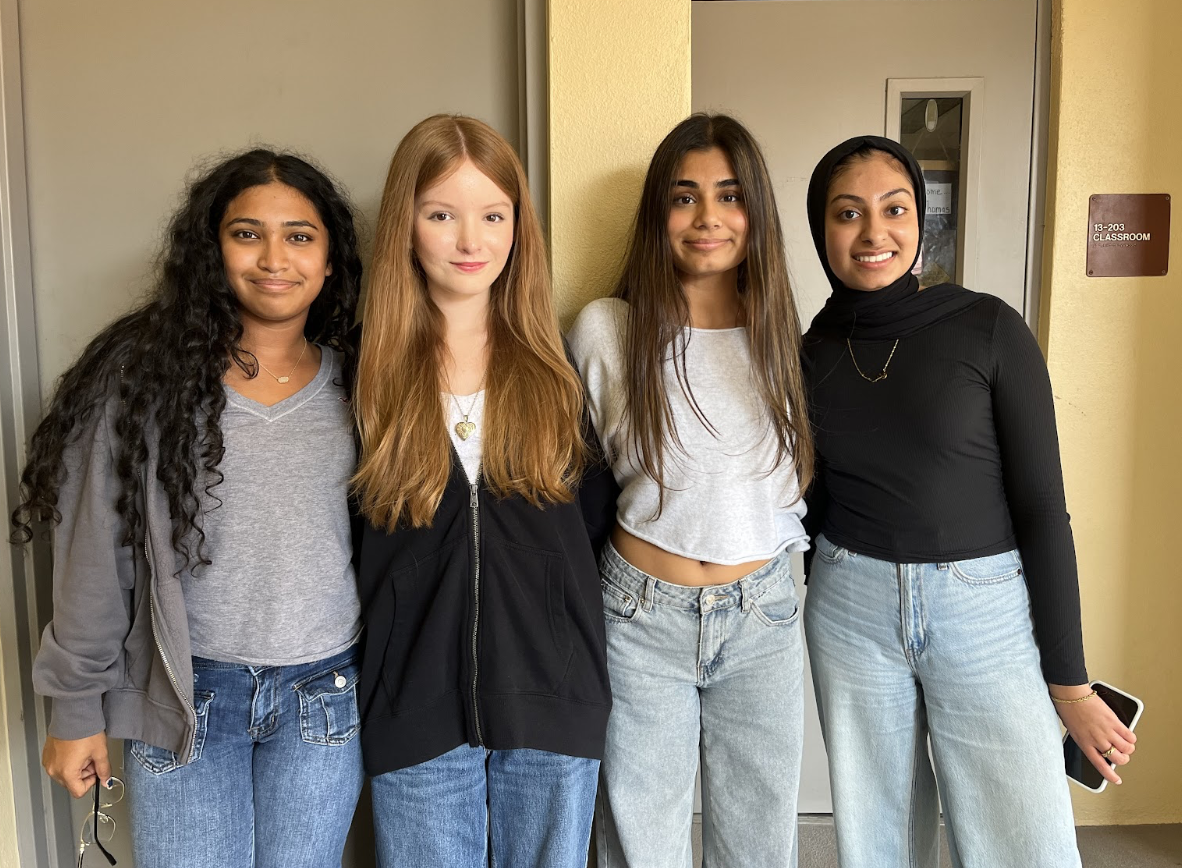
(1108, 753)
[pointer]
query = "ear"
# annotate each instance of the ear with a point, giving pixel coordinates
(328, 270)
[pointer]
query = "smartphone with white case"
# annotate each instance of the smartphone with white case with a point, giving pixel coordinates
(1079, 768)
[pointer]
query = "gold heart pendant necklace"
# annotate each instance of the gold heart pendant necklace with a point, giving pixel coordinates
(465, 429)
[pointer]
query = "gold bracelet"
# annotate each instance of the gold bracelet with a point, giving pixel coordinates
(1070, 701)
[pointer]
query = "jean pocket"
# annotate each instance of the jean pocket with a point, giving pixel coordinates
(618, 605)
(160, 760)
(778, 605)
(989, 570)
(829, 552)
(328, 705)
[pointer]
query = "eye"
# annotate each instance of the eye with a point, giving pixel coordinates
(301, 238)
(244, 234)
(847, 214)
(683, 199)
(896, 210)
(731, 198)
(495, 218)
(439, 216)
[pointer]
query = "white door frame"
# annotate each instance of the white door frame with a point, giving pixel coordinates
(42, 809)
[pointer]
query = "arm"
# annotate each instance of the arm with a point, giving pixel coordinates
(1024, 419)
(81, 653)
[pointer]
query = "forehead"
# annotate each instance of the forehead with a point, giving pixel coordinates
(465, 182)
(870, 177)
(274, 199)
(710, 165)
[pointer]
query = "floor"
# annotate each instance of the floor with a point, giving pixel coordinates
(1099, 846)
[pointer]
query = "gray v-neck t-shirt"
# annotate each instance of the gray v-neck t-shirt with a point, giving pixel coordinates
(281, 589)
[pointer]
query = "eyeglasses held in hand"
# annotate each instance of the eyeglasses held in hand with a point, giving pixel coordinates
(99, 827)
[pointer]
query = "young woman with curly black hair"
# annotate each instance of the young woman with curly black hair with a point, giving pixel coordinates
(195, 461)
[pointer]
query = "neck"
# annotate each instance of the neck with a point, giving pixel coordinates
(465, 337)
(714, 301)
(273, 340)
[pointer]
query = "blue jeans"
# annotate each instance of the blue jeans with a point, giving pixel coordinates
(906, 652)
(533, 809)
(713, 675)
(274, 778)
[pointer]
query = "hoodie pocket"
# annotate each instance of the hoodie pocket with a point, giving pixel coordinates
(524, 639)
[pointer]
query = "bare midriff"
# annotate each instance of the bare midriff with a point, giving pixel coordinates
(676, 569)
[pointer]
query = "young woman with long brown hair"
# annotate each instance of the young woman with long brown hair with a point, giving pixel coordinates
(484, 688)
(694, 381)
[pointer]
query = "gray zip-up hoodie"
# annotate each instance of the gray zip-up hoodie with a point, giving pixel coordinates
(116, 655)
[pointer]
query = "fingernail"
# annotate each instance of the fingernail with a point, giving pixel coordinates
(1119, 781)
(110, 783)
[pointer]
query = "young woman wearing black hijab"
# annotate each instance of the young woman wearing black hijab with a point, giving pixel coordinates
(943, 600)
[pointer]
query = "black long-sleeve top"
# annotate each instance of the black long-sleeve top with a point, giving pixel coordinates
(953, 456)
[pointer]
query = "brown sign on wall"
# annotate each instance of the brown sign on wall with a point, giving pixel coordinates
(1129, 235)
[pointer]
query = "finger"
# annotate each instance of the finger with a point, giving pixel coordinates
(1102, 765)
(1121, 744)
(79, 784)
(102, 767)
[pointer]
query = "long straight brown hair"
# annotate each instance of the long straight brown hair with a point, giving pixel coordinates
(532, 441)
(659, 312)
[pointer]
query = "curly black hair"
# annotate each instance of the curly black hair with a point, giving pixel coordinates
(166, 360)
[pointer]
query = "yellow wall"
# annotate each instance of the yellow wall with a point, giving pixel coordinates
(619, 80)
(8, 848)
(1115, 355)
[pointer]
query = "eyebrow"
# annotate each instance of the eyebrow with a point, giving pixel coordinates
(693, 185)
(498, 204)
(858, 200)
(253, 222)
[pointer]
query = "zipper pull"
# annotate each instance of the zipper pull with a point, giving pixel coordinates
(472, 497)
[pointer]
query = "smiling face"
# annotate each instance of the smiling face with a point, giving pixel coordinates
(463, 233)
(707, 218)
(871, 223)
(275, 250)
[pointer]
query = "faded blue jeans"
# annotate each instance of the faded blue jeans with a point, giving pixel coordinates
(274, 778)
(713, 675)
(906, 652)
(472, 807)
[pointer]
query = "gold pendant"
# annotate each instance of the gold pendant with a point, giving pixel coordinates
(464, 429)
(283, 379)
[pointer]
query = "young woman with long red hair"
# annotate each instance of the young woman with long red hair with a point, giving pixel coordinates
(484, 687)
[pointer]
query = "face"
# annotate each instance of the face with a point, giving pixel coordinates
(463, 233)
(707, 218)
(871, 224)
(275, 249)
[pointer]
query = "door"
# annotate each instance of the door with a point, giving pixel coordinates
(955, 79)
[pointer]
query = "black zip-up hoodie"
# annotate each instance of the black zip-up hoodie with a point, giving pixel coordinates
(486, 628)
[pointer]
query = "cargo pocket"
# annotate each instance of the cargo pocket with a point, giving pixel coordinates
(328, 706)
(159, 760)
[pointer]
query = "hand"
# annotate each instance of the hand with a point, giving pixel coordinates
(77, 763)
(1095, 728)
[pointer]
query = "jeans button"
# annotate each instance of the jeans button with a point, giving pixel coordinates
(340, 682)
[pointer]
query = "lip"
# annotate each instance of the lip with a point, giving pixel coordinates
(273, 284)
(707, 243)
(470, 267)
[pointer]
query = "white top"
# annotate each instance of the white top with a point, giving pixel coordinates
(724, 503)
(468, 450)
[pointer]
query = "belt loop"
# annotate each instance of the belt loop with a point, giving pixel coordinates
(646, 596)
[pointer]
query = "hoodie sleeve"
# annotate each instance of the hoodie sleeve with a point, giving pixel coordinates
(81, 653)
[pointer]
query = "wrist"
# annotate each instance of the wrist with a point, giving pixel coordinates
(1070, 692)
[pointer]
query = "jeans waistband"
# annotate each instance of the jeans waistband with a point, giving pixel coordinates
(653, 591)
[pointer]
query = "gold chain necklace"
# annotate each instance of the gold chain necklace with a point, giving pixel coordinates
(881, 376)
(287, 378)
(465, 429)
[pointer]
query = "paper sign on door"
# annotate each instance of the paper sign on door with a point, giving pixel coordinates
(939, 198)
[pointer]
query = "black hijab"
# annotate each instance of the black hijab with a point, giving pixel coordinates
(897, 310)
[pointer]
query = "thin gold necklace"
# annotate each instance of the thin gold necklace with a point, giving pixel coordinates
(883, 374)
(287, 378)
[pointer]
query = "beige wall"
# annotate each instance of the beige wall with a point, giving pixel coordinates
(1112, 345)
(120, 99)
(8, 844)
(619, 81)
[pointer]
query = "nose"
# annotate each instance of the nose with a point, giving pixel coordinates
(273, 255)
(707, 215)
(468, 237)
(874, 228)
